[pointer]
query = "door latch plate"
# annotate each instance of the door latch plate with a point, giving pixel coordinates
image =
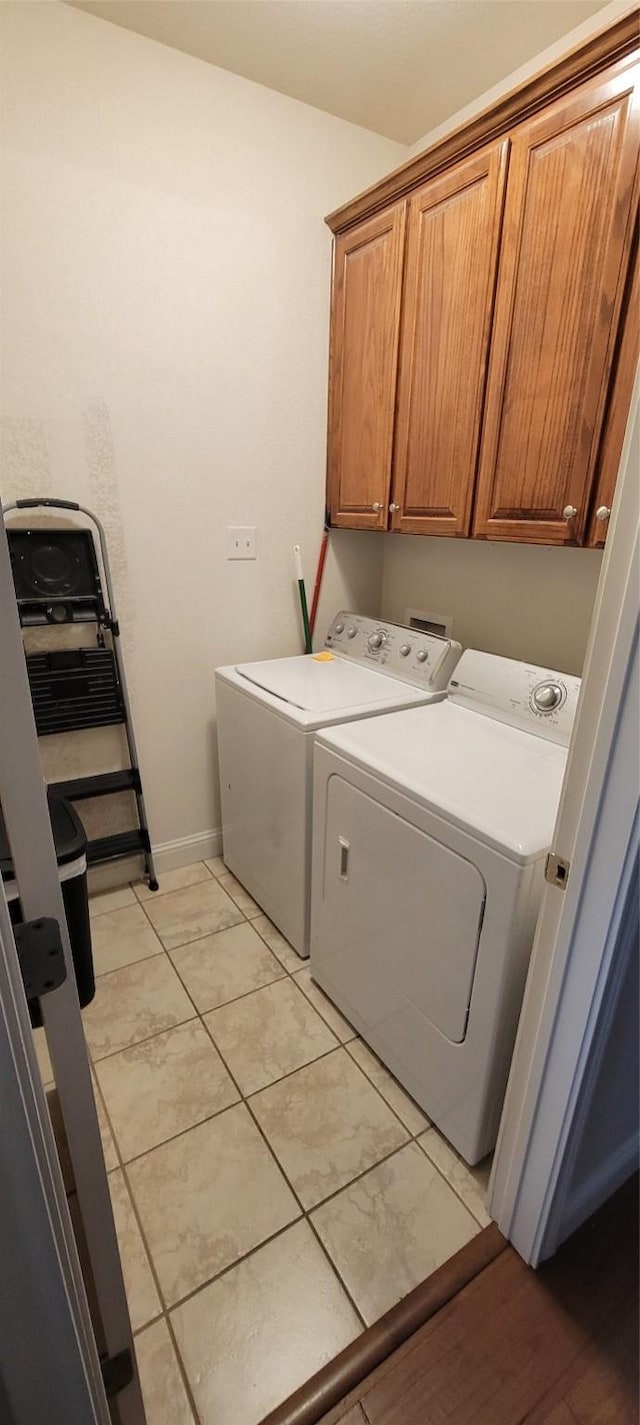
(556, 871)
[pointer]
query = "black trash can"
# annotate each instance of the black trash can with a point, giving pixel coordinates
(71, 847)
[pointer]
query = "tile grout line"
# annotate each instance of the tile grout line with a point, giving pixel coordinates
(244, 1097)
(163, 1315)
(304, 1214)
(469, 1209)
(182, 1368)
(343, 1044)
(157, 895)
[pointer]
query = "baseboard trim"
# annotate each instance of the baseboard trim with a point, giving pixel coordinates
(167, 855)
(181, 852)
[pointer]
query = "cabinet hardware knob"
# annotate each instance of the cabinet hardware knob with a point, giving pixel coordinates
(393, 508)
(603, 512)
(376, 506)
(569, 512)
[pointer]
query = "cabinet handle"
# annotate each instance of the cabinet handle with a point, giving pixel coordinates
(569, 512)
(603, 512)
(345, 847)
(376, 506)
(393, 508)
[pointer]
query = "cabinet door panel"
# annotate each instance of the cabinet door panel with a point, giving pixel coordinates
(617, 415)
(453, 235)
(363, 368)
(566, 239)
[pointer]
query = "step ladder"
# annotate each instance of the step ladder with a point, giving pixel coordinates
(73, 689)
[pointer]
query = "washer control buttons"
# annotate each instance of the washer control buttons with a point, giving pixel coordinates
(352, 631)
(422, 655)
(376, 640)
(405, 649)
(546, 697)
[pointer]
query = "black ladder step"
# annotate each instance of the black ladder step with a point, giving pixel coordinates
(122, 843)
(102, 784)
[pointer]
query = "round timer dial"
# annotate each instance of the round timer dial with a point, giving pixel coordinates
(547, 697)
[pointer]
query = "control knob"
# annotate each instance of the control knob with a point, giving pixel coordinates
(376, 640)
(422, 655)
(351, 632)
(547, 697)
(339, 628)
(405, 649)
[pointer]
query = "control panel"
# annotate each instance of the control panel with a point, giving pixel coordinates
(539, 700)
(415, 657)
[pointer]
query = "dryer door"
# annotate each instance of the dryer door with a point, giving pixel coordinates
(402, 915)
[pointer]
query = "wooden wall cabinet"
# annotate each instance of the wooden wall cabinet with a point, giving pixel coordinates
(485, 325)
(565, 251)
(365, 325)
(453, 234)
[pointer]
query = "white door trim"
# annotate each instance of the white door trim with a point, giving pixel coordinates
(48, 1360)
(596, 830)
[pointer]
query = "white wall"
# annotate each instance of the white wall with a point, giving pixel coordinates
(525, 602)
(165, 300)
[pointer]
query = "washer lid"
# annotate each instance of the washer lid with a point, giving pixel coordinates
(324, 684)
(500, 784)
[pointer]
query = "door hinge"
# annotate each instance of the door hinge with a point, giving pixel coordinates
(40, 955)
(117, 1372)
(556, 871)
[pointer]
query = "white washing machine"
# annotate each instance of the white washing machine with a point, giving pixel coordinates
(431, 830)
(268, 715)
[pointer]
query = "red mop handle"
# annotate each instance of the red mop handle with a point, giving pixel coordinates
(318, 584)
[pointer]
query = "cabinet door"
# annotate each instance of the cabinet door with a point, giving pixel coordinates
(365, 323)
(617, 415)
(453, 233)
(567, 233)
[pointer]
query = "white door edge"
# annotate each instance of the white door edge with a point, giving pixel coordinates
(568, 983)
(25, 809)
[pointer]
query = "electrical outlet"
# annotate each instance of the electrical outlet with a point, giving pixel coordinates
(241, 542)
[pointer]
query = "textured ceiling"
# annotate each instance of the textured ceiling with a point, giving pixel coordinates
(398, 67)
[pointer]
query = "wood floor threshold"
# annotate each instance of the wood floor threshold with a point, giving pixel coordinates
(334, 1381)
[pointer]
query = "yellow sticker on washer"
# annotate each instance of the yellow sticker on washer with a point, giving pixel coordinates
(325, 657)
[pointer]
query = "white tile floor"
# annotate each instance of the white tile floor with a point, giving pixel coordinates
(275, 1190)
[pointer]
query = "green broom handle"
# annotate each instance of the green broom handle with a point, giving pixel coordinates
(297, 554)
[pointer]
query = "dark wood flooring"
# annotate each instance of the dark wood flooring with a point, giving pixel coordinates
(554, 1347)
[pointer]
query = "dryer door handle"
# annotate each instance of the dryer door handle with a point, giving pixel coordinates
(345, 847)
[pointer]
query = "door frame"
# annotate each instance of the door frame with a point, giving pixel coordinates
(49, 1365)
(571, 984)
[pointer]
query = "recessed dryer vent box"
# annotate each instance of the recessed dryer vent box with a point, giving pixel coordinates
(429, 622)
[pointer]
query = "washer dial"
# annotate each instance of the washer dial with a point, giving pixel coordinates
(547, 697)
